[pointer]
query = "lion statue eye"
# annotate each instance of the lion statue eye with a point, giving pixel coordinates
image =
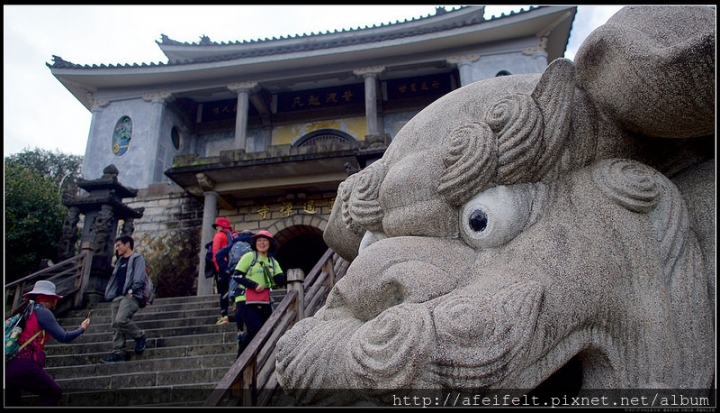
(496, 216)
(478, 220)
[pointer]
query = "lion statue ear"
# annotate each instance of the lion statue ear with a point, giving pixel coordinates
(554, 95)
(651, 54)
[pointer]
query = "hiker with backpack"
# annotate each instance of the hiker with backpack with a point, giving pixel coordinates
(224, 235)
(125, 290)
(228, 259)
(257, 271)
(26, 371)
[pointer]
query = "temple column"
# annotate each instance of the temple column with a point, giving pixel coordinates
(464, 65)
(94, 142)
(243, 90)
(370, 74)
(97, 108)
(204, 286)
(539, 54)
(154, 169)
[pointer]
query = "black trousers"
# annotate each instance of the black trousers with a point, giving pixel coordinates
(254, 316)
(223, 285)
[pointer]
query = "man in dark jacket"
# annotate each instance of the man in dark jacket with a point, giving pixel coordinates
(125, 289)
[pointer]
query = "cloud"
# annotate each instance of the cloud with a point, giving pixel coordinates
(587, 19)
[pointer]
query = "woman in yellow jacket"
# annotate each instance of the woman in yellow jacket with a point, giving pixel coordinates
(257, 272)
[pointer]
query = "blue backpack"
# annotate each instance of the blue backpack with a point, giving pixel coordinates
(229, 256)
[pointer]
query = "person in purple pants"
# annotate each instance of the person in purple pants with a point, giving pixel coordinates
(26, 371)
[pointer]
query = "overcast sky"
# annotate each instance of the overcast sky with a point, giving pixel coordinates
(40, 112)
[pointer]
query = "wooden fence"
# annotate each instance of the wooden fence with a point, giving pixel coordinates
(70, 278)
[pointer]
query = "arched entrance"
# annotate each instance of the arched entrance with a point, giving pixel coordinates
(301, 246)
(323, 135)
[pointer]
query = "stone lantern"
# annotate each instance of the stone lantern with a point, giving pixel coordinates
(103, 208)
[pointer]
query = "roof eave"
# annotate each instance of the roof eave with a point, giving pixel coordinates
(177, 51)
(83, 82)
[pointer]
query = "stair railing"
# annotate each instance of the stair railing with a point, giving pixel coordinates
(251, 380)
(70, 277)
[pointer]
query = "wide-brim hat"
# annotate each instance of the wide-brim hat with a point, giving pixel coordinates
(222, 222)
(268, 236)
(43, 288)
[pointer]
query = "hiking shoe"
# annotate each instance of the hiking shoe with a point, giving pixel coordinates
(114, 358)
(223, 320)
(140, 344)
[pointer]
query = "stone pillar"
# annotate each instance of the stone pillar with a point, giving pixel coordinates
(267, 136)
(295, 278)
(68, 239)
(104, 229)
(539, 54)
(243, 90)
(370, 74)
(94, 142)
(151, 143)
(128, 226)
(97, 108)
(205, 284)
(464, 65)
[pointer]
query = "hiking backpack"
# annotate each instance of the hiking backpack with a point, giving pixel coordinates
(148, 290)
(229, 256)
(234, 285)
(13, 327)
(209, 263)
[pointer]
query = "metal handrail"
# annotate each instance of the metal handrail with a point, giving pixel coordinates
(251, 380)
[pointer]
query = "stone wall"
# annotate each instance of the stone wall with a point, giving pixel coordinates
(169, 233)
(168, 236)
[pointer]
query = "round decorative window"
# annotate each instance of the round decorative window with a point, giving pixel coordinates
(121, 136)
(175, 136)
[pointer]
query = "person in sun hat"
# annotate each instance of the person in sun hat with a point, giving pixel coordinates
(224, 235)
(26, 371)
(258, 272)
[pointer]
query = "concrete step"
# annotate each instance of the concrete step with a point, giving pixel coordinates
(186, 355)
(184, 395)
(157, 337)
(166, 359)
(154, 330)
(178, 346)
(144, 379)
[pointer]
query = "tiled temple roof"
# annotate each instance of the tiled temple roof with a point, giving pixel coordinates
(466, 16)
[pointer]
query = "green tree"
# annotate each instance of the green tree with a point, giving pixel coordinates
(34, 214)
(62, 169)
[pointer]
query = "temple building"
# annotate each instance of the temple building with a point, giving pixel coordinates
(263, 132)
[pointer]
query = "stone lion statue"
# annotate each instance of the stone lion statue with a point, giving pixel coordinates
(523, 224)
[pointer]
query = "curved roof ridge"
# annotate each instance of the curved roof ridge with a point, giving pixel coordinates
(60, 63)
(331, 42)
(513, 12)
(439, 11)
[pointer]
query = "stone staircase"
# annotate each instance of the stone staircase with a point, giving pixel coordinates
(186, 356)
